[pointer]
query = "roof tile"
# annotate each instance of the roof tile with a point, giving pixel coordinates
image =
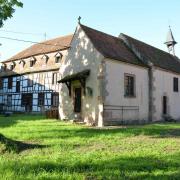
(52, 45)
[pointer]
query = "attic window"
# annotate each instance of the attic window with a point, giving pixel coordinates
(4, 67)
(12, 66)
(45, 58)
(32, 62)
(22, 63)
(58, 57)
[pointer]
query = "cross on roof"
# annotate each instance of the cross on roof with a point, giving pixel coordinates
(79, 19)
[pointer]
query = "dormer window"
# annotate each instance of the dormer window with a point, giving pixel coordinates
(58, 57)
(1, 67)
(4, 67)
(32, 61)
(22, 63)
(12, 66)
(45, 59)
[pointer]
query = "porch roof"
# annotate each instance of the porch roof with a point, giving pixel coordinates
(77, 76)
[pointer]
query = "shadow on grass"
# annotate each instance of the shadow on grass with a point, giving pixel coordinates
(63, 130)
(155, 130)
(110, 168)
(13, 119)
(16, 146)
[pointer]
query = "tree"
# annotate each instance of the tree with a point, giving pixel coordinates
(7, 8)
(6, 11)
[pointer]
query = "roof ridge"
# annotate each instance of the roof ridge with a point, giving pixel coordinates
(14, 58)
(100, 31)
(64, 36)
(149, 45)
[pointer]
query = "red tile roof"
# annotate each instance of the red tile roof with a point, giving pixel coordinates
(158, 57)
(52, 45)
(111, 47)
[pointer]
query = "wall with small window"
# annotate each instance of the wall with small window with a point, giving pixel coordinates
(166, 85)
(126, 92)
(129, 85)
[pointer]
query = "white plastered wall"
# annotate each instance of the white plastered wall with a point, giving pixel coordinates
(81, 55)
(135, 108)
(163, 86)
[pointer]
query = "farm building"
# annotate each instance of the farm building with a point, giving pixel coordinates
(28, 80)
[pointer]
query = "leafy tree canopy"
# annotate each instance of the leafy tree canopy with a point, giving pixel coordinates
(7, 8)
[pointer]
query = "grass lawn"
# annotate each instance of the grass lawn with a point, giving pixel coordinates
(36, 148)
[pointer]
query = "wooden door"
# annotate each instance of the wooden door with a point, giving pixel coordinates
(77, 100)
(27, 100)
(55, 99)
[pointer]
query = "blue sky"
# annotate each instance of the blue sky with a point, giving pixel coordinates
(146, 20)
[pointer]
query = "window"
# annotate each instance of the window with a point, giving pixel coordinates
(41, 99)
(1, 83)
(176, 84)
(9, 100)
(58, 57)
(10, 81)
(55, 100)
(11, 67)
(41, 78)
(129, 85)
(17, 86)
(22, 64)
(30, 81)
(54, 78)
(4, 67)
(32, 63)
(45, 59)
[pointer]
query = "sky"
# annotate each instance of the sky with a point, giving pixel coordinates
(146, 20)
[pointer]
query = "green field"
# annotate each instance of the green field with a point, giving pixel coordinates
(32, 147)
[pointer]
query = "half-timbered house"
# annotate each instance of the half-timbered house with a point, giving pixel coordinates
(28, 80)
